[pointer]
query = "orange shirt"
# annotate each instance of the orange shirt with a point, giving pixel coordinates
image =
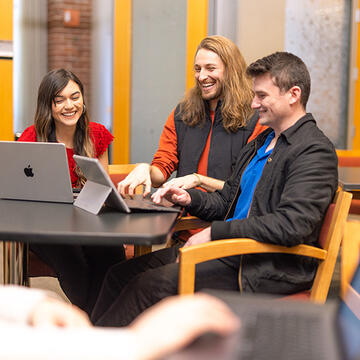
(258, 129)
(165, 158)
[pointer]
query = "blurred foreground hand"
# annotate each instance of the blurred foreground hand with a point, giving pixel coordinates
(175, 321)
(53, 312)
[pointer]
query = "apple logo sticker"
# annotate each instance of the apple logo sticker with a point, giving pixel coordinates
(29, 171)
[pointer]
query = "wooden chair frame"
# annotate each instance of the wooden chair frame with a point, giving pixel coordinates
(350, 254)
(351, 158)
(123, 169)
(190, 256)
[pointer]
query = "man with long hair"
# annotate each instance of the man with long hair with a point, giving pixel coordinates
(276, 194)
(204, 133)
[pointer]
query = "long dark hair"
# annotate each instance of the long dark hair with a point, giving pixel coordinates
(51, 85)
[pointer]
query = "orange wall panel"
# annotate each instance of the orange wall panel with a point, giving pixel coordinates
(356, 141)
(6, 19)
(122, 81)
(197, 15)
(6, 71)
(6, 96)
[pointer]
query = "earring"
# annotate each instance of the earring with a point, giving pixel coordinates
(84, 108)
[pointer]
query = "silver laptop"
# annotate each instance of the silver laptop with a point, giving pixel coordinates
(34, 171)
(285, 329)
(99, 189)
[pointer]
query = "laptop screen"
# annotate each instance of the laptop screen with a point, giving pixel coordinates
(349, 319)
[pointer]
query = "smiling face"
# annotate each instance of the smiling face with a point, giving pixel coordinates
(274, 105)
(68, 105)
(209, 75)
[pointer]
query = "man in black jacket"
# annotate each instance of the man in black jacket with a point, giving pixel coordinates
(277, 194)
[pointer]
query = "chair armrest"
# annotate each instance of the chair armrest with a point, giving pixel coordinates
(192, 255)
(189, 223)
(229, 247)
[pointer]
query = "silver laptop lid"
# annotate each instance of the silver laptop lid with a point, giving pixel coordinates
(98, 183)
(99, 188)
(34, 171)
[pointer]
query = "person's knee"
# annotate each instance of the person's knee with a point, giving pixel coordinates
(112, 282)
(143, 291)
(156, 283)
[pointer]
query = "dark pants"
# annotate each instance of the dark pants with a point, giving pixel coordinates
(134, 285)
(80, 269)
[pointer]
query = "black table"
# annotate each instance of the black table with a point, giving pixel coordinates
(349, 178)
(24, 222)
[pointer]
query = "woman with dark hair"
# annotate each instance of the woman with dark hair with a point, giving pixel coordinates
(61, 116)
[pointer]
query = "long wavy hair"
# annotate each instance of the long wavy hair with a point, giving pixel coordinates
(51, 85)
(236, 95)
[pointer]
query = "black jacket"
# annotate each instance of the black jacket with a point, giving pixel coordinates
(224, 147)
(297, 185)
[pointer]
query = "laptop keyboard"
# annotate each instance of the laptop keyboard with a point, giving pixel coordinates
(280, 336)
(145, 204)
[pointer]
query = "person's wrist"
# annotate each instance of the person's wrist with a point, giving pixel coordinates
(198, 179)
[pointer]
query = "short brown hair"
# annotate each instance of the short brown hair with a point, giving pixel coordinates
(287, 70)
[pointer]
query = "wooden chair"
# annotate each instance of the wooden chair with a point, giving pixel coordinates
(37, 267)
(117, 172)
(348, 157)
(330, 238)
(190, 223)
(351, 158)
(350, 254)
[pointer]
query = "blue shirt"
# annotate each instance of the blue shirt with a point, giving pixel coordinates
(250, 178)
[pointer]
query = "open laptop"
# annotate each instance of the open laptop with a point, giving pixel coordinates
(34, 171)
(285, 329)
(99, 189)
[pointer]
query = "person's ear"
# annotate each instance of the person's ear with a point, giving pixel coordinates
(295, 95)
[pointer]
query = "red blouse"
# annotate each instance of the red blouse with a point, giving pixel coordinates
(100, 136)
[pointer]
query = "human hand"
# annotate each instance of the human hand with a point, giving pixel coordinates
(200, 237)
(173, 194)
(53, 312)
(140, 175)
(175, 321)
(184, 182)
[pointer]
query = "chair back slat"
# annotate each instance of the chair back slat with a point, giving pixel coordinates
(350, 254)
(348, 158)
(118, 172)
(116, 178)
(325, 228)
(332, 242)
(349, 161)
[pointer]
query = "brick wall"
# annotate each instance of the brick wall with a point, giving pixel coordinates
(70, 47)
